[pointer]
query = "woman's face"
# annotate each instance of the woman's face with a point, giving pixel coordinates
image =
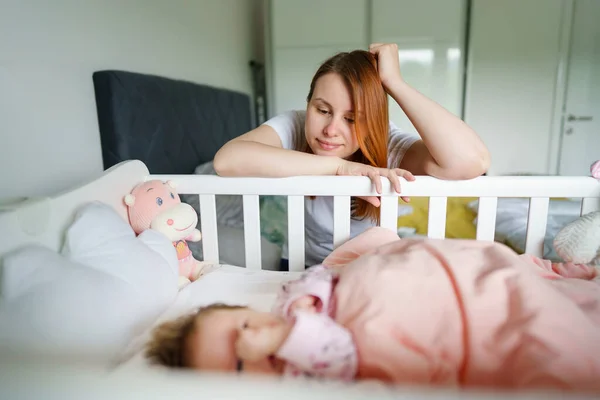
(329, 126)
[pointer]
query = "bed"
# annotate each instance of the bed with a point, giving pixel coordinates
(60, 329)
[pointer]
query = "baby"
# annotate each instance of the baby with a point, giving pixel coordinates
(455, 313)
(298, 338)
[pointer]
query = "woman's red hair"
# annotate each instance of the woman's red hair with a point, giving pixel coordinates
(358, 69)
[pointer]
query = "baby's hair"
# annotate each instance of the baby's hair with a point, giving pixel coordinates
(167, 345)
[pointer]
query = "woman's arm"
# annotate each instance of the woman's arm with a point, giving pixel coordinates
(449, 148)
(260, 153)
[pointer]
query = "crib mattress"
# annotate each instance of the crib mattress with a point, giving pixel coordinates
(226, 283)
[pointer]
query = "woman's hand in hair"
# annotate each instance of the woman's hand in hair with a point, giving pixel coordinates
(388, 62)
(350, 168)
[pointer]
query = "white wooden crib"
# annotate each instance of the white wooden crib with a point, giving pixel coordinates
(539, 191)
(43, 221)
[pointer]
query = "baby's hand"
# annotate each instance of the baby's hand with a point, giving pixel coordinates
(255, 344)
(307, 303)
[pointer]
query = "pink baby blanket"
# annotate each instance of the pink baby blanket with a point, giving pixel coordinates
(467, 313)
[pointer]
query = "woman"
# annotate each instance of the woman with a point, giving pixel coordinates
(345, 130)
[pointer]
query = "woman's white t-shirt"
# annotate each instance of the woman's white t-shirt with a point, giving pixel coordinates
(318, 213)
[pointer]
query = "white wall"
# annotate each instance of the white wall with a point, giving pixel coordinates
(49, 136)
(512, 71)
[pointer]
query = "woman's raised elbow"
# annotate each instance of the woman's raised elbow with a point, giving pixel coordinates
(485, 162)
(463, 169)
(473, 167)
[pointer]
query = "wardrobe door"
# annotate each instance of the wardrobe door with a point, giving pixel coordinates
(580, 140)
(430, 36)
(514, 54)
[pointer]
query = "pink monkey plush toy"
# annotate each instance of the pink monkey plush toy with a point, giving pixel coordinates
(156, 205)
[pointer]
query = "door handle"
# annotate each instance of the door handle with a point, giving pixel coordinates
(572, 118)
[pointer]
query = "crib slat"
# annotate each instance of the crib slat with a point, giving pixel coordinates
(341, 220)
(436, 225)
(486, 218)
(296, 233)
(208, 223)
(536, 225)
(590, 204)
(252, 231)
(389, 213)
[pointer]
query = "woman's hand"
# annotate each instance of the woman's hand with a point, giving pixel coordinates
(388, 63)
(350, 168)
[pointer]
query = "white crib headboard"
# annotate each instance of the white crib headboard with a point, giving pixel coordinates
(43, 221)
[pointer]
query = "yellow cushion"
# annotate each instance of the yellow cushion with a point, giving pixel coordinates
(459, 218)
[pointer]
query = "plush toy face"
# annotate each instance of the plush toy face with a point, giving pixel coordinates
(155, 204)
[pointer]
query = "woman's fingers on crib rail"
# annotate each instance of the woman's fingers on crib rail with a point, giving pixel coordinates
(375, 174)
(406, 175)
(394, 176)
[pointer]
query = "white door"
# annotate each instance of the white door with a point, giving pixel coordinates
(580, 142)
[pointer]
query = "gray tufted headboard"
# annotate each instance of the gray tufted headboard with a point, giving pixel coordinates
(171, 125)
(176, 127)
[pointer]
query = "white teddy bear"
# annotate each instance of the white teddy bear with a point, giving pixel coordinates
(579, 241)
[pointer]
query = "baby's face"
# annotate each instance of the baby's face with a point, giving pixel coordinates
(211, 346)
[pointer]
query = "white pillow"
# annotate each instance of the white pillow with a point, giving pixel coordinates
(67, 309)
(107, 288)
(101, 239)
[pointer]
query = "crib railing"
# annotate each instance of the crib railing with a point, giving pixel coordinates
(539, 190)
